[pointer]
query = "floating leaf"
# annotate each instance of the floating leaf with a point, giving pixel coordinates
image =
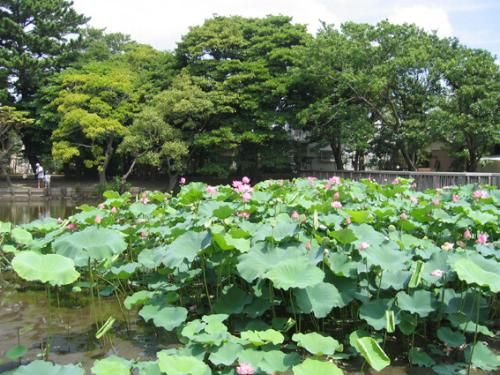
(259, 338)
(52, 268)
(314, 366)
(316, 344)
(372, 353)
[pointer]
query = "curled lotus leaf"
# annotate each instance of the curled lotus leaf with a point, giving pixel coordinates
(475, 273)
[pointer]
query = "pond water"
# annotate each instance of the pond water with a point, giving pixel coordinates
(25, 212)
(66, 333)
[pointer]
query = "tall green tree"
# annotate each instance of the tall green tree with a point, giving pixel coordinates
(12, 122)
(245, 62)
(37, 38)
(467, 117)
(96, 104)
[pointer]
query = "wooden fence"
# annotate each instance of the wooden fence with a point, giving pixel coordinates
(424, 180)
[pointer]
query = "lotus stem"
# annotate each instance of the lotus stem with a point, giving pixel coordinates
(205, 283)
(271, 299)
(478, 304)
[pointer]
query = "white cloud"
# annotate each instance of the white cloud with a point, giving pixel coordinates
(163, 22)
(430, 18)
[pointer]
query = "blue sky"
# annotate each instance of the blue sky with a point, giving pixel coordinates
(161, 23)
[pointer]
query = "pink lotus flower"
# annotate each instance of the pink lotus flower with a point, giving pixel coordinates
(71, 226)
(98, 219)
(245, 369)
(245, 180)
(101, 206)
(237, 184)
(244, 188)
(478, 194)
(447, 246)
(467, 234)
(335, 180)
(482, 238)
(396, 181)
(348, 220)
(182, 181)
(114, 210)
(336, 196)
(455, 198)
(211, 190)
(143, 234)
(437, 273)
(145, 200)
(336, 204)
(244, 214)
(414, 185)
(308, 245)
(311, 180)
(363, 246)
(403, 216)
(435, 202)
(413, 200)
(294, 215)
(246, 197)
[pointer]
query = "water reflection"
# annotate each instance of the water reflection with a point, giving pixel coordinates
(25, 212)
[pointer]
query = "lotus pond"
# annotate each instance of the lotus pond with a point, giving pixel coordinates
(297, 277)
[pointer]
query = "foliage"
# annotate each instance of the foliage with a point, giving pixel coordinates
(263, 277)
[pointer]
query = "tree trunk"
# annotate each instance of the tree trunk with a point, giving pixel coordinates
(7, 177)
(409, 162)
(472, 161)
(337, 154)
(107, 158)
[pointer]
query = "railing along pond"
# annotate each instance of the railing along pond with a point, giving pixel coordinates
(424, 180)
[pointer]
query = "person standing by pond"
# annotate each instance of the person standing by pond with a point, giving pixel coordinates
(46, 179)
(39, 174)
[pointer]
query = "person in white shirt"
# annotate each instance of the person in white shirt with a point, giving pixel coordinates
(46, 179)
(39, 174)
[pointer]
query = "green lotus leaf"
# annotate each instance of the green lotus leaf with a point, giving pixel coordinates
(251, 356)
(316, 344)
(5, 227)
(151, 258)
(185, 247)
(295, 273)
(344, 236)
(232, 301)
(372, 353)
(138, 298)
(112, 365)
(16, 352)
(420, 358)
(374, 312)
(21, 236)
(408, 323)
(386, 257)
(168, 317)
(319, 299)
(92, 242)
(48, 368)
(284, 229)
(450, 337)
(47, 268)
(465, 324)
(258, 260)
(421, 302)
(454, 369)
(148, 368)
(226, 354)
(275, 361)
(259, 338)
(395, 279)
(315, 366)
(342, 265)
(473, 273)
(482, 357)
(366, 233)
(181, 365)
